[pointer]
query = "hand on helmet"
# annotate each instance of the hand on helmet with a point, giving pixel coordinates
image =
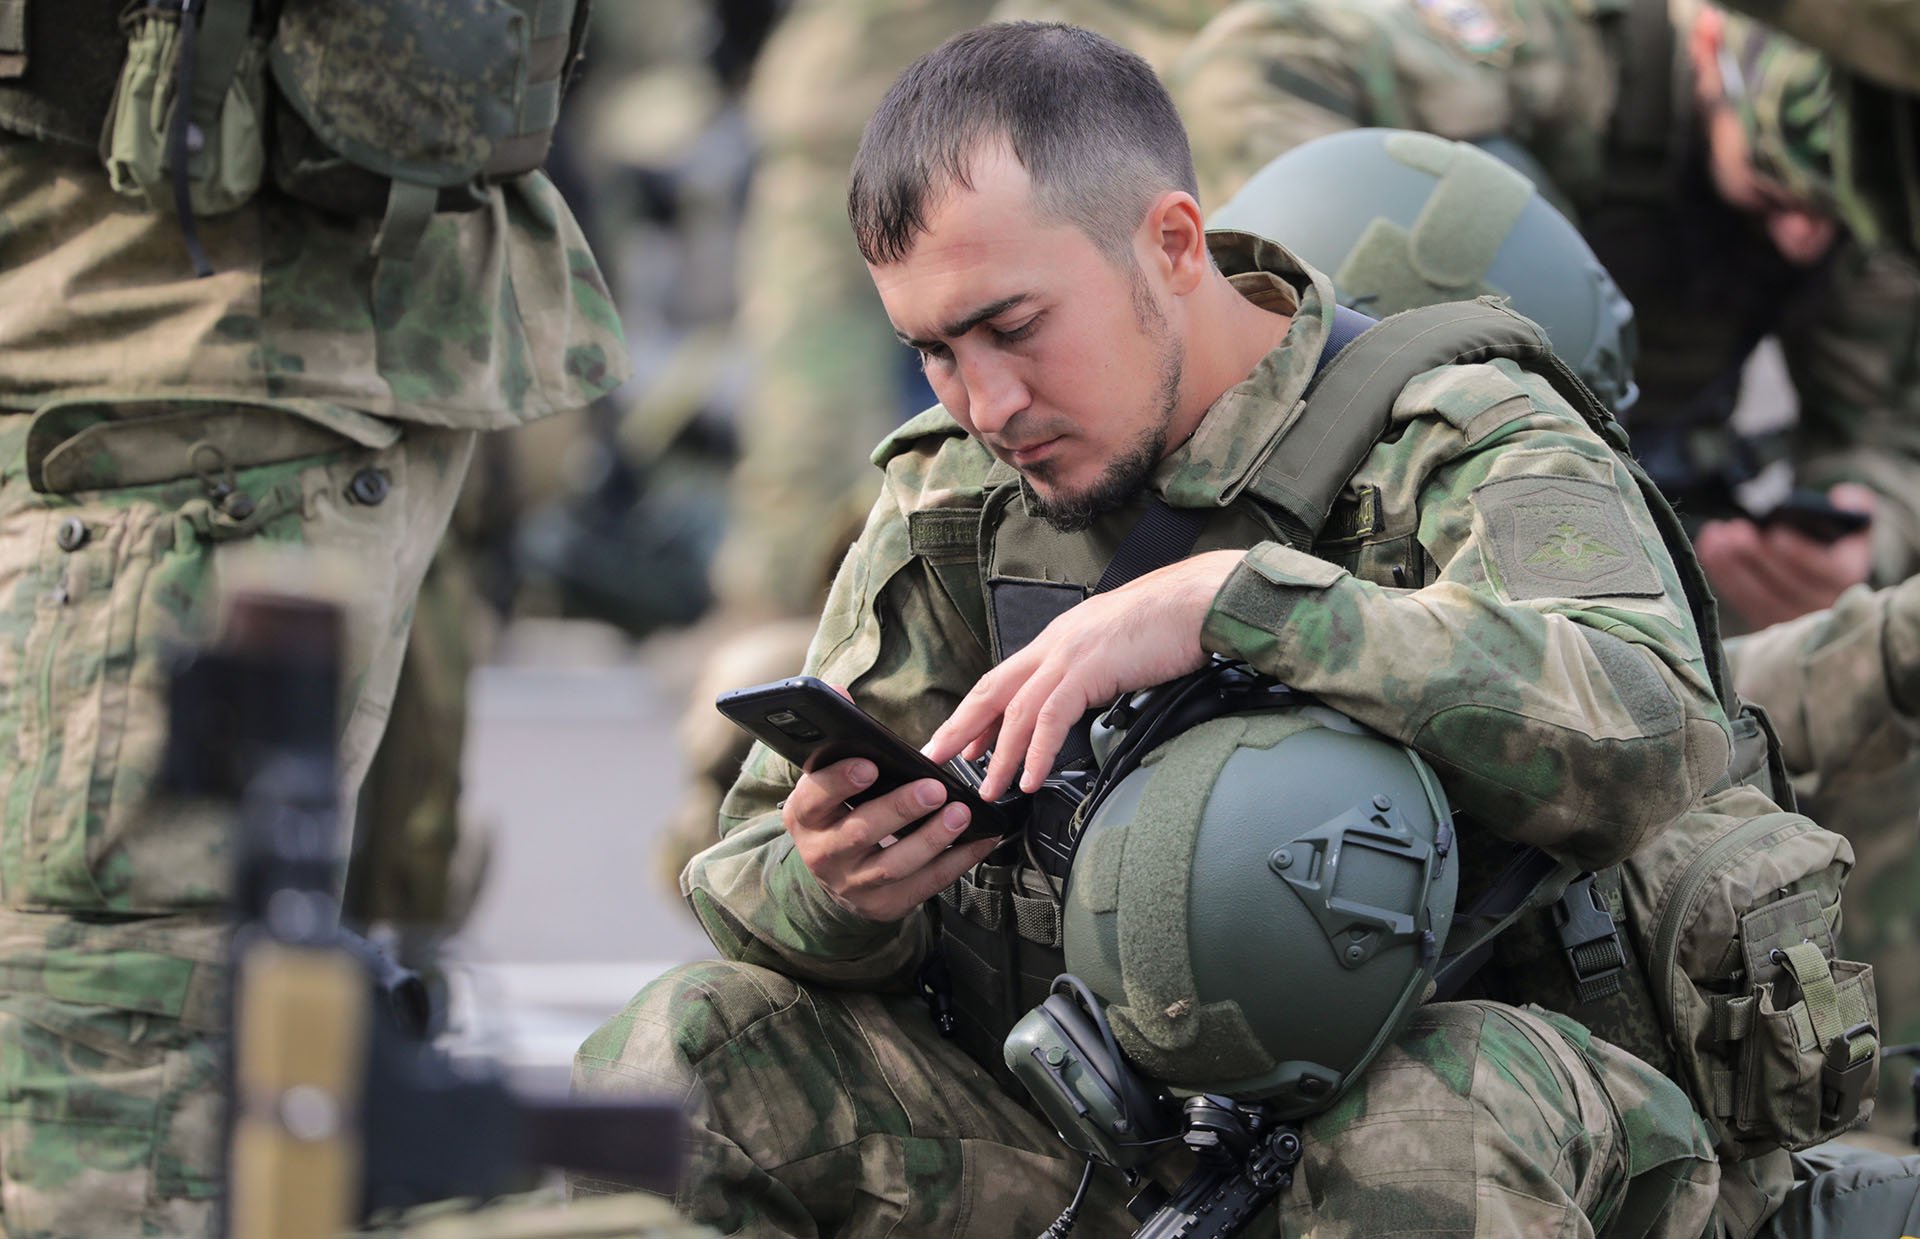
(870, 858)
(1144, 633)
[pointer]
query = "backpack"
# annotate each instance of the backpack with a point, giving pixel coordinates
(1710, 953)
(387, 109)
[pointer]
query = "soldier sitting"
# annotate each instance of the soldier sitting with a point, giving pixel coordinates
(1025, 202)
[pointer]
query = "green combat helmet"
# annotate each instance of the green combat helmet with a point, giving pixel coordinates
(1403, 219)
(1261, 902)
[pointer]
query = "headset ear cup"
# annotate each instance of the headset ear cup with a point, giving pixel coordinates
(1130, 1093)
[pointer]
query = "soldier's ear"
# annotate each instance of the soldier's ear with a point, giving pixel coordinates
(1176, 234)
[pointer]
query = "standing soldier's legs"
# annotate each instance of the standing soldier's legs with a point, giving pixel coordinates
(115, 536)
(822, 1111)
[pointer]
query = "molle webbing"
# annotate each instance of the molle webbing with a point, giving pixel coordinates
(551, 36)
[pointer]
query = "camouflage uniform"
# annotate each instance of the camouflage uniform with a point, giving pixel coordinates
(1552, 715)
(1843, 689)
(1615, 133)
(155, 427)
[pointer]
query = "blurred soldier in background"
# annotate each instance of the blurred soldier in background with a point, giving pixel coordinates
(1694, 156)
(829, 379)
(1693, 152)
(1843, 689)
(321, 386)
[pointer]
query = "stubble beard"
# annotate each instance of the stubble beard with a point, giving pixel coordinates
(1126, 475)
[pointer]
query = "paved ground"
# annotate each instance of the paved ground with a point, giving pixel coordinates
(573, 762)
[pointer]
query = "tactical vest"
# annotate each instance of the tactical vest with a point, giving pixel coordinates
(1011, 574)
(388, 109)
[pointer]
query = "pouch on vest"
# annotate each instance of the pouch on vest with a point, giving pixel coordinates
(202, 56)
(1731, 916)
(396, 109)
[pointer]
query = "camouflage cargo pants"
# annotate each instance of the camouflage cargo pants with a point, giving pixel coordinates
(829, 1112)
(118, 522)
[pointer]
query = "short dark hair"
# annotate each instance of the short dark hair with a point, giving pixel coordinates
(1087, 118)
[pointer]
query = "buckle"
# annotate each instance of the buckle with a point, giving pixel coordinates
(1844, 1080)
(1590, 940)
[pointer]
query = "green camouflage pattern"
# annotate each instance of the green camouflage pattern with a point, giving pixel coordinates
(1880, 38)
(1154, 30)
(821, 1111)
(1782, 92)
(1268, 75)
(157, 431)
(1843, 690)
(113, 987)
(1578, 725)
(421, 88)
(501, 317)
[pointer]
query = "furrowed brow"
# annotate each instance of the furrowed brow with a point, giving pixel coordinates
(962, 325)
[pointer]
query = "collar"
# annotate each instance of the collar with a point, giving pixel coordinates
(1241, 426)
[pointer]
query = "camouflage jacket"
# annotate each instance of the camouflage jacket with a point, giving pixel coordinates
(1706, 285)
(1842, 685)
(1576, 723)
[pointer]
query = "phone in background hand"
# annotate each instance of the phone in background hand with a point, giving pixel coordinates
(1811, 513)
(805, 721)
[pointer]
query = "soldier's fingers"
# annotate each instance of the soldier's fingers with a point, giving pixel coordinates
(943, 872)
(1017, 722)
(1062, 708)
(890, 815)
(973, 719)
(819, 800)
(920, 846)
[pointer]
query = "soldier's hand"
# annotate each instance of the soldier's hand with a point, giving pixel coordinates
(884, 857)
(1144, 633)
(1774, 574)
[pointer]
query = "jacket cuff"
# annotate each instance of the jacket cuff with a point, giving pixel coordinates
(829, 929)
(1251, 613)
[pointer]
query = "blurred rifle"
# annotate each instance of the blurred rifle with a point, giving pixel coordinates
(336, 1107)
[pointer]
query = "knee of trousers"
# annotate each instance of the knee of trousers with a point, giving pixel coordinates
(656, 1043)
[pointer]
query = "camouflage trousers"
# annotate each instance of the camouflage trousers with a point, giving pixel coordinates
(119, 523)
(832, 1112)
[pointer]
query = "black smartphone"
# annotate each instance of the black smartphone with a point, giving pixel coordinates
(1811, 513)
(812, 726)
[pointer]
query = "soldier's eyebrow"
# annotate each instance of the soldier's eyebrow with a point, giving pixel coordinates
(967, 322)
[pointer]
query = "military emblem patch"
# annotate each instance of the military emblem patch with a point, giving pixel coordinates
(1563, 538)
(1471, 25)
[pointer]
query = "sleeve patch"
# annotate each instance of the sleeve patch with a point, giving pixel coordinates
(1553, 537)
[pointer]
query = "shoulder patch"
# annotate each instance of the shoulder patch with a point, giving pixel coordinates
(1480, 28)
(1555, 537)
(935, 422)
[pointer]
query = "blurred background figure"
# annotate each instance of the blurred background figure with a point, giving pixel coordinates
(1692, 150)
